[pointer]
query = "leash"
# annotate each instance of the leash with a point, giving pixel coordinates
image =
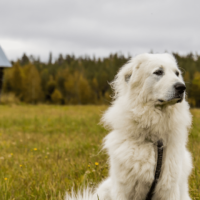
(158, 170)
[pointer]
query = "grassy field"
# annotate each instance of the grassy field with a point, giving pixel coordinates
(46, 150)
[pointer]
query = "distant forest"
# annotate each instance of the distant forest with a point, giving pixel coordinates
(81, 80)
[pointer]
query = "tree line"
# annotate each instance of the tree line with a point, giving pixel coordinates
(81, 80)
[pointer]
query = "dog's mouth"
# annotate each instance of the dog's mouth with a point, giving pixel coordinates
(175, 99)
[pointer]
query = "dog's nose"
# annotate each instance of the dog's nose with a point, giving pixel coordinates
(180, 87)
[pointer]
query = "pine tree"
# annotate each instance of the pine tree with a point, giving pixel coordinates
(24, 60)
(50, 59)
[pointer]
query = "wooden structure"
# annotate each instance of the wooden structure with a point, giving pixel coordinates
(3, 64)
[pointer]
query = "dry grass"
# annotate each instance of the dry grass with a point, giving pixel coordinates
(45, 150)
(9, 99)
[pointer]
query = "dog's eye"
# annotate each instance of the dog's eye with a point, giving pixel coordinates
(177, 73)
(158, 72)
(127, 77)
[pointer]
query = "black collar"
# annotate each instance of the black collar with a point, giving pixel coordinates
(158, 170)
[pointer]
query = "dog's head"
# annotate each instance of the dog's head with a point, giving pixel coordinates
(153, 78)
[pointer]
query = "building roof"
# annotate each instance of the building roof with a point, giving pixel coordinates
(3, 59)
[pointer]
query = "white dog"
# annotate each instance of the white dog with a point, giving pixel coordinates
(149, 105)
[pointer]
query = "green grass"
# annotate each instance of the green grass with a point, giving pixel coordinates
(194, 147)
(47, 150)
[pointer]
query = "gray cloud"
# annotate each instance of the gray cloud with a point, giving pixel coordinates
(98, 27)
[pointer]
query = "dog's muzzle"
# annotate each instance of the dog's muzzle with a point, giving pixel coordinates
(178, 94)
(179, 88)
(179, 91)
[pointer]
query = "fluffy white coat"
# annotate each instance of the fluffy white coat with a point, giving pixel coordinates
(143, 111)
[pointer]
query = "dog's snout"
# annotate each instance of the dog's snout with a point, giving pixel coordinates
(179, 87)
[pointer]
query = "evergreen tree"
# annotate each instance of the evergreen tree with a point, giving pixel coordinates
(50, 59)
(24, 60)
(82, 80)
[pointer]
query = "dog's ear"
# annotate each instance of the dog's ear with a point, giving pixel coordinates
(138, 60)
(126, 73)
(120, 83)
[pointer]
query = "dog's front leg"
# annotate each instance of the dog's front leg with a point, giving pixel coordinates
(132, 171)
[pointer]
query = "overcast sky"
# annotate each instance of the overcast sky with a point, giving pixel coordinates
(98, 27)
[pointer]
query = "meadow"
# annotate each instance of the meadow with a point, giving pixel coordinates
(46, 150)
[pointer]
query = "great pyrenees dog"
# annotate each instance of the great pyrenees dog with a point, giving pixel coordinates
(149, 105)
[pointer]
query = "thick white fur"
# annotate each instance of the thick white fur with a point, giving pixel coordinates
(137, 120)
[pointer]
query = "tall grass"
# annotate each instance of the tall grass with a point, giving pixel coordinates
(194, 147)
(47, 150)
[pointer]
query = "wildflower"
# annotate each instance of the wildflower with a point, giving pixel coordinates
(35, 149)
(10, 155)
(88, 165)
(96, 163)
(20, 165)
(5, 179)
